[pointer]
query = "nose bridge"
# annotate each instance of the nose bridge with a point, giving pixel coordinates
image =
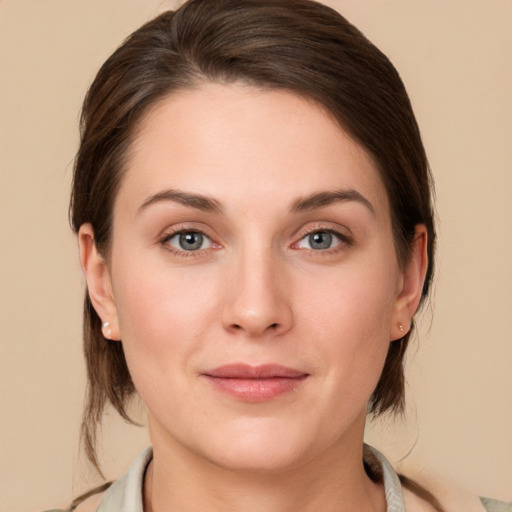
(257, 302)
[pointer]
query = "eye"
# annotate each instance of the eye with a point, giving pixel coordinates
(189, 241)
(320, 240)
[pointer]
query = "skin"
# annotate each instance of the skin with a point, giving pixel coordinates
(258, 291)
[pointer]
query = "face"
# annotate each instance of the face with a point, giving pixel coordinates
(252, 277)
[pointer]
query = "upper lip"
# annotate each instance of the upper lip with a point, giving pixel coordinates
(246, 371)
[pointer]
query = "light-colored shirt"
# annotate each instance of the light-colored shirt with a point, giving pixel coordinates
(125, 495)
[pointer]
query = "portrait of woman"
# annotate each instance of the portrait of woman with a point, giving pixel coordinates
(254, 211)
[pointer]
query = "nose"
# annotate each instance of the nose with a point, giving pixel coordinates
(257, 299)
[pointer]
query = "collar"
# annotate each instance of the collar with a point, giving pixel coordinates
(125, 495)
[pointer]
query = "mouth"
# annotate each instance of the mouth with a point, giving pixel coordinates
(255, 383)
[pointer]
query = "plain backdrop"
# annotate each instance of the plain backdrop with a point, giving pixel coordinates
(456, 60)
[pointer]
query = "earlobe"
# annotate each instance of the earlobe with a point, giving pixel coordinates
(411, 288)
(99, 286)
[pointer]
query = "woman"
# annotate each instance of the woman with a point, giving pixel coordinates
(252, 203)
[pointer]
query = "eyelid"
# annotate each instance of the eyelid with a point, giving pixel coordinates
(170, 233)
(179, 233)
(345, 239)
(305, 240)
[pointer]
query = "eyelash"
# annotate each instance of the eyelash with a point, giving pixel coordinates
(344, 242)
(182, 252)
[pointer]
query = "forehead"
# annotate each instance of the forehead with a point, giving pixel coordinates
(240, 143)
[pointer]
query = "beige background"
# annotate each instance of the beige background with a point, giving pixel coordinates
(456, 60)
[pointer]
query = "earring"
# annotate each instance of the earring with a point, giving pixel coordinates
(106, 325)
(401, 327)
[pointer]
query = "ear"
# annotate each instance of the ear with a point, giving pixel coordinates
(411, 286)
(99, 284)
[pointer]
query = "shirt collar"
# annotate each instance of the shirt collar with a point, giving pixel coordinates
(125, 495)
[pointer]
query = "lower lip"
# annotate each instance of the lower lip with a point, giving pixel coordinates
(256, 390)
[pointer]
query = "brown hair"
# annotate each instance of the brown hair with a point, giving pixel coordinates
(295, 45)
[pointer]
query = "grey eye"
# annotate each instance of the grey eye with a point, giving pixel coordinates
(189, 241)
(320, 241)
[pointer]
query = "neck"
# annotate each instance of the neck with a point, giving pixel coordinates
(180, 481)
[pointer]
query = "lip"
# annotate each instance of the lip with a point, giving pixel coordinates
(255, 383)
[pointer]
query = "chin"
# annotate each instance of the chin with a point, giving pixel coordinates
(264, 448)
(268, 459)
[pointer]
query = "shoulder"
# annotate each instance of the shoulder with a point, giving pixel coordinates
(496, 505)
(452, 497)
(427, 493)
(115, 495)
(413, 503)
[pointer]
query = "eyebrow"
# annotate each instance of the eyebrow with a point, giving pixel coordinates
(198, 201)
(321, 199)
(302, 204)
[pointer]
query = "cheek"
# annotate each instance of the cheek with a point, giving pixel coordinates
(164, 314)
(164, 319)
(348, 318)
(356, 301)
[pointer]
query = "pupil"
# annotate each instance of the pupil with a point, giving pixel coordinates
(191, 241)
(320, 240)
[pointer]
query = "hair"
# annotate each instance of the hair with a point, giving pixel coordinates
(293, 45)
